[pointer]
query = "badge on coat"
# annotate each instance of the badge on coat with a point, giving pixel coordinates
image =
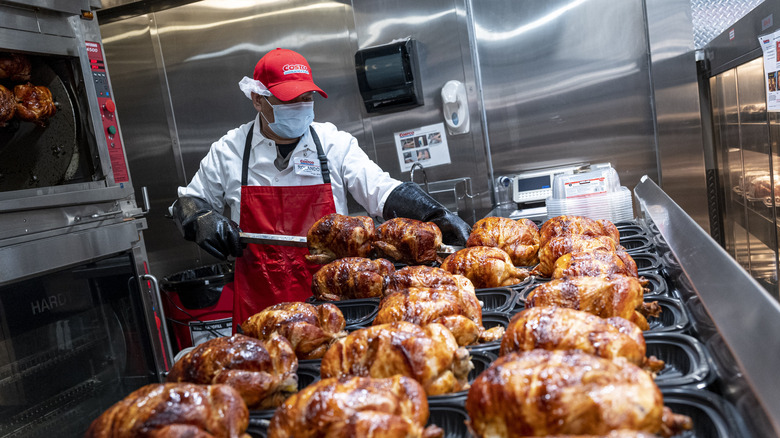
(307, 167)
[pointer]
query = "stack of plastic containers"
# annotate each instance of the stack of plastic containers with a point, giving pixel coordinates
(596, 194)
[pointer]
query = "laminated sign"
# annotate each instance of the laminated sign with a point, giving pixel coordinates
(769, 45)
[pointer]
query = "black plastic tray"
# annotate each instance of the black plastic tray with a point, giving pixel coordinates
(628, 230)
(490, 320)
(712, 415)
(637, 244)
(308, 373)
(357, 313)
(656, 284)
(646, 262)
(451, 418)
(481, 360)
(687, 361)
(498, 299)
(673, 318)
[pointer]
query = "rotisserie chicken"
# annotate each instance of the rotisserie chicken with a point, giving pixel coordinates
(571, 225)
(175, 410)
(310, 329)
(335, 236)
(561, 245)
(408, 241)
(560, 328)
(594, 263)
(518, 238)
(351, 278)
(604, 296)
(458, 309)
(7, 105)
(427, 354)
(263, 372)
(356, 407)
(485, 266)
(34, 103)
(15, 67)
(425, 276)
(612, 434)
(541, 393)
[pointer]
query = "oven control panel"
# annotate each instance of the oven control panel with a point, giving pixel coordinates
(107, 112)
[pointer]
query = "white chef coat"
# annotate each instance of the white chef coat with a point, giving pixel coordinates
(218, 180)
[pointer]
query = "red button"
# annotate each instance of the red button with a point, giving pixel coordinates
(109, 106)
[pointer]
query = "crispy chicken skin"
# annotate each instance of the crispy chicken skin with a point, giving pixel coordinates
(408, 241)
(427, 354)
(310, 329)
(594, 263)
(262, 372)
(562, 245)
(175, 410)
(15, 67)
(336, 236)
(571, 225)
(356, 407)
(541, 393)
(604, 296)
(560, 328)
(518, 238)
(450, 301)
(34, 103)
(7, 105)
(485, 266)
(351, 278)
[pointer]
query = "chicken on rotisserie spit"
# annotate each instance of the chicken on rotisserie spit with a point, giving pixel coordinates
(427, 354)
(34, 103)
(605, 296)
(457, 308)
(572, 225)
(310, 329)
(351, 278)
(263, 372)
(7, 105)
(560, 328)
(485, 266)
(542, 393)
(15, 67)
(356, 407)
(175, 410)
(594, 263)
(561, 245)
(335, 236)
(408, 241)
(518, 238)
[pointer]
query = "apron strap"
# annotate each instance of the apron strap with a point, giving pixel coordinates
(320, 155)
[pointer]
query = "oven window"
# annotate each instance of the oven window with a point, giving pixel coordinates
(72, 343)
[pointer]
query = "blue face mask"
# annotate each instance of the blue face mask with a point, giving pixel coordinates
(291, 120)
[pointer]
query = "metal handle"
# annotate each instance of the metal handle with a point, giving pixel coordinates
(145, 198)
(98, 215)
(161, 313)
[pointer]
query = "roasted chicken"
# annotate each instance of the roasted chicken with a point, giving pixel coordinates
(351, 278)
(335, 236)
(310, 329)
(612, 434)
(594, 263)
(542, 393)
(457, 308)
(15, 67)
(425, 276)
(7, 105)
(561, 245)
(560, 328)
(518, 238)
(427, 354)
(175, 410)
(604, 296)
(573, 225)
(262, 372)
(34, 103)
(408, 241)
(485, 266)
(356, 407)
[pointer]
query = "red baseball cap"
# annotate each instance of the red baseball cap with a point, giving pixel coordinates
(286, 74)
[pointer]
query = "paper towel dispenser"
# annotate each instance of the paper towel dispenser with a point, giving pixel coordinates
(389, 76)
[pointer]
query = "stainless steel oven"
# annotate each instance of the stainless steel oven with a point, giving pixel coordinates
(80, 316)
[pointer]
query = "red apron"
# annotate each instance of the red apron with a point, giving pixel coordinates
(271, 274)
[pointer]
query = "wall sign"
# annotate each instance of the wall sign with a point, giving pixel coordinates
(426, 145)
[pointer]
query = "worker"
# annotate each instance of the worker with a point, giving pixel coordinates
(279, 174)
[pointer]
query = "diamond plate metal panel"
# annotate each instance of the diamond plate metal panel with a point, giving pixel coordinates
(712, 17)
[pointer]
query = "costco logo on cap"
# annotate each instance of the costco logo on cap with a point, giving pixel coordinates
(295, 68)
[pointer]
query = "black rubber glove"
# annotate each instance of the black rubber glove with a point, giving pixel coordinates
(215, 233)
(410, 201)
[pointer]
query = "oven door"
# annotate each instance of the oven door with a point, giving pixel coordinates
(78, 329)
